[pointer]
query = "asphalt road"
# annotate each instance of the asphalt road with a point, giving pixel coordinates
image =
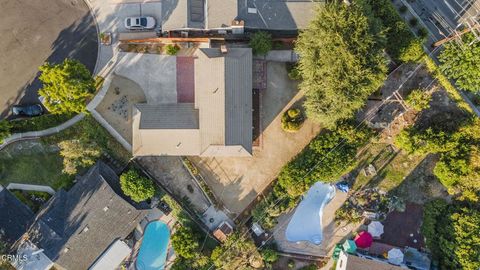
(35, 31)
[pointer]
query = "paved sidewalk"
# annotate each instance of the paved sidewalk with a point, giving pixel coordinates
(26, 187)
(36, 134)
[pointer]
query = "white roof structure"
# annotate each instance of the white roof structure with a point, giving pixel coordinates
(112, 257)
(306, 223)
(375, 228)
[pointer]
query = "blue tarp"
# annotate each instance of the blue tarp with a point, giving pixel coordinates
(343, 186)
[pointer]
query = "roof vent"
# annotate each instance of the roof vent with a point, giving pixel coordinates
(223, 49)
(252, 10)
(179, 144)
(66, 250)
(85, 229)
(105, 209)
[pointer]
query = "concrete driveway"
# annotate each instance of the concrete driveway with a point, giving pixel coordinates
(34, 32)
(238, 181)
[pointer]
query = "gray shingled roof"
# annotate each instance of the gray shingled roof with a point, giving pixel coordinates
(75, 227)
(168, 116)
(277, 14)
(15, 217)
(223, 91)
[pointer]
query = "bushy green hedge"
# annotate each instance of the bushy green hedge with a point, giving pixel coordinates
(261, 43)
(137, 187)
(452, 233)
(418, 100)
(326, 158)
(39, 123)
(458, 168)
(5, 130)
(401, 44)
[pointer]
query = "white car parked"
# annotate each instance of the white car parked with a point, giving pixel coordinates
(140, 23)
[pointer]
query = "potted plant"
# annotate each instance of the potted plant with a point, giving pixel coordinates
(106, 38)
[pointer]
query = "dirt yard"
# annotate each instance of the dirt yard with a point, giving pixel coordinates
(238, 181)
(117, 105)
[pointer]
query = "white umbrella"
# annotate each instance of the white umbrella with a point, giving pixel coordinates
(395, 256)
(375, 228)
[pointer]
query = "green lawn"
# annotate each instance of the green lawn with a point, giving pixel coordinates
(20, 163)
(40, 168)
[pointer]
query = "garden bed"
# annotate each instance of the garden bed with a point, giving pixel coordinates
(33, 199)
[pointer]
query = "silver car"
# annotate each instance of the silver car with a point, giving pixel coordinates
(140, 23)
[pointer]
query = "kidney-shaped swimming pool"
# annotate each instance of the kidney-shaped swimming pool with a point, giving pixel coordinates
(154, 248)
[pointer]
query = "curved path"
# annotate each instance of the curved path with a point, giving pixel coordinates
(34, 32)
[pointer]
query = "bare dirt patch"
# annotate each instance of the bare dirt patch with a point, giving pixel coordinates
(117, 105)
(238, 181)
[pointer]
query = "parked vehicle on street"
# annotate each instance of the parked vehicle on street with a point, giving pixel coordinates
(28, 110)
(140, 23)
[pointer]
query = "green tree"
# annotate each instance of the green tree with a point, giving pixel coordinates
(138, 188)
(453, 234)
(261, 43)
(66, 86)
(5, 128)
(77, 154)
(461, 62)
(185, 243)
(237, 253)
(418, 100)
(341, 61)
(269, 257)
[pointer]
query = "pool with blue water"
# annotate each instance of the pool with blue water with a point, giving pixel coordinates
(154, 247)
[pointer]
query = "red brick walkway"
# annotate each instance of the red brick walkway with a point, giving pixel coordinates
(185, 80)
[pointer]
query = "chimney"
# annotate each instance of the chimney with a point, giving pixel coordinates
(223, 49)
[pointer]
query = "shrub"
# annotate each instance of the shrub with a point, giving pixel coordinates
(413, 52)
(293, 72)
(185, 242)
(418, 100)
(39, 123)
(172, 49)
(292, 120)
(138, 188)
(422, 33)
(269, 255)
(399, 36)
(66, 86)
(461, 62)
(291, 264)
(261, 43)
(5, 127)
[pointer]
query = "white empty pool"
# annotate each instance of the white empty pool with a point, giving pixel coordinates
(306, 223)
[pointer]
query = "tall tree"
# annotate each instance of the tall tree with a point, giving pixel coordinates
(138, 188)
(66, 86)
(461, 62)
(341, 60)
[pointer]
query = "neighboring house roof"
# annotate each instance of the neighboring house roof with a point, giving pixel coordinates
(260, 14)
(220, 13)
(182, 14)
(77, 226)
(277, 14)
(352, 262)
(218, 123)
(15, 217)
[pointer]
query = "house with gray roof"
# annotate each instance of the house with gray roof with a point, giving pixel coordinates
(234, 14)
(15, 217)
(76, 227)
(216, 122)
